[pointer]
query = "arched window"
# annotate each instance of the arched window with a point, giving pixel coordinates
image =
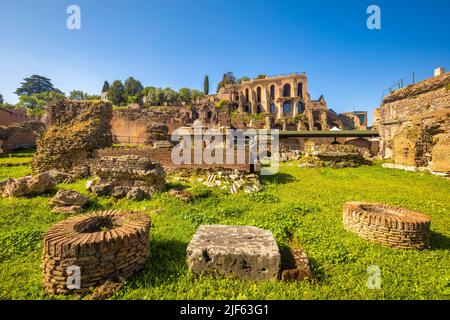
(272, 108)
(300, 90)
(259, 109)
(246, 95)
(300, 107)
(287, 90)
(287, 108)
(272, 92)
(258, 94)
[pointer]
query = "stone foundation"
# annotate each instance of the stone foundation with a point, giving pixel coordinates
(389, 225)
(248, 253)
(104, 245)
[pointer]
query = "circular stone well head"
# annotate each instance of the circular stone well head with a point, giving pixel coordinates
(102, 245)
(389, 225)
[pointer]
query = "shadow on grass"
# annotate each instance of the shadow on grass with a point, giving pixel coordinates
(166, 261)
(439, 241)
(279, 178)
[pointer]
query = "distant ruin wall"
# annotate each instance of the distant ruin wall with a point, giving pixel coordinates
(415, 125)
(20, 136)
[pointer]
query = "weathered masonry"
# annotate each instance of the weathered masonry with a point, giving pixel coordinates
(414, 124)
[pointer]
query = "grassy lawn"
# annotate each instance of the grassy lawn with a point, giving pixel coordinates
(303, 207)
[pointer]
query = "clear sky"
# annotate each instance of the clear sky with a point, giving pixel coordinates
(175, 43)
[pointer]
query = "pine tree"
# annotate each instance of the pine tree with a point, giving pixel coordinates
(35, 84)
(206, 85)
(116, 93)
(105, 87)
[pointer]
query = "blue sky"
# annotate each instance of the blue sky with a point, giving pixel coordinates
(175, 43)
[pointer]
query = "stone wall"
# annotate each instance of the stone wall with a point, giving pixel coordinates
(415, 125)
(164, 157)
(76, 129)
(131, 126)
(20, 136)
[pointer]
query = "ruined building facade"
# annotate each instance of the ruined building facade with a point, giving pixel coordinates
(286, 97)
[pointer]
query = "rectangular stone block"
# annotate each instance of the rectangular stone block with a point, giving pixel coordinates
(248, 253)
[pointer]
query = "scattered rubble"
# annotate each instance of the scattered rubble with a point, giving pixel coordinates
(68, 201)
(234, 181)
(27, 186)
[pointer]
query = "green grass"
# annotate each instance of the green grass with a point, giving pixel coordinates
(303, 207)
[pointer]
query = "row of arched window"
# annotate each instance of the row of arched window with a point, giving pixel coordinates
(286, 92)
(287, 108)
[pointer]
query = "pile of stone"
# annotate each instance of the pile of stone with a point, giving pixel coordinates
(332, 156)
(129, 176)
(234, 181)
(289, 155)
(68, 201)
(76, 129)
(27, 186)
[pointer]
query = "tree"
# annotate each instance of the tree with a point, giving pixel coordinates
(196, 94)
(132, 87)
(227, 79)
(185, 95)
(2, 101)
(37, 102)
(170, 96)
(105, 86)
(116, 93)
(261, 76)
(206, 85)
(155, 96)
(78, 95)
(35, 84)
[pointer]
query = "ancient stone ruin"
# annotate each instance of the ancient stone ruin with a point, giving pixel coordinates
(127, 176)
(295, 265)
(27, 186)
(68, 201)
(248, 253)
(76, 129)
(20, 136)
(103, 245)
(414, 125)
(234, 181)
(333, 156)
(389, 225)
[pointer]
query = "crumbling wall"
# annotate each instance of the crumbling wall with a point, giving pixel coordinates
(415, 125)
(20, 136)
(76, 129)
